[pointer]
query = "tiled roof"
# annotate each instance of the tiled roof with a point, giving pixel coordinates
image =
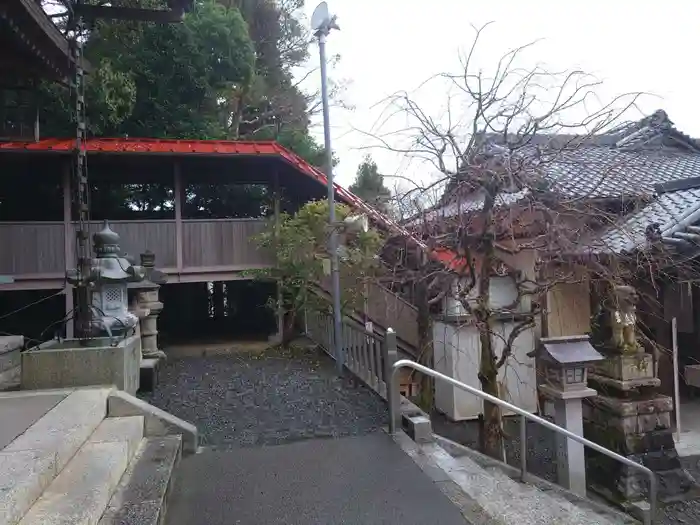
(668, 211)
(603, 172)
(468, 205)
(626, 164)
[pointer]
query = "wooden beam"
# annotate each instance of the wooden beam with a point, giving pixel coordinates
(68, 233)
(162, 16)
(277, 205)
(177, 175)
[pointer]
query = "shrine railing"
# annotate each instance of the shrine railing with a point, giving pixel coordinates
(45, 249)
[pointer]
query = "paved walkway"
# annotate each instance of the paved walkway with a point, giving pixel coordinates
(358, 480)
(265, 420)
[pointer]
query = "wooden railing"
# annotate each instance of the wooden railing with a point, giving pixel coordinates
(32, 248)
(367, 356)
(223, 242)
(41, 249)
(386, 309)
(138, 236)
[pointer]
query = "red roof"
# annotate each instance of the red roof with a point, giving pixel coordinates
(226, 147)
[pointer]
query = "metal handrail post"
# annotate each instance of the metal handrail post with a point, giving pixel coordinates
(649, 519)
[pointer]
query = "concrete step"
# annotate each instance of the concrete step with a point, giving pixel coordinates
(508, 501)
(142, 495)
(34, 458)
(80, 493)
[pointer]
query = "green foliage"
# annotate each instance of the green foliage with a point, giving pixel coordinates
(161, 80)
(301, 249)
(369, 185)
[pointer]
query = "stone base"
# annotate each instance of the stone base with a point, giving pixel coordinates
(640, 430)
(608, 383)
(63, 364)
(626, 367)
(149, 375)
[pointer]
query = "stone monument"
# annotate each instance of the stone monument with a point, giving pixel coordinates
(112, 354)
(629, 416)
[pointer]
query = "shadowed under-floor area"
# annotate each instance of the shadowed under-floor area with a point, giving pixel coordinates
(357, 480)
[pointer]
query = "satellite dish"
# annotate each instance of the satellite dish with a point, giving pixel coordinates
(321, 17)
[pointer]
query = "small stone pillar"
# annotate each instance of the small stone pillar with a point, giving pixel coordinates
(148, 303)
(565, 361)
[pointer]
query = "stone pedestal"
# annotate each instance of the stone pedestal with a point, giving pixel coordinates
(630, 418)
(65, 364)
(571, 456)
(147, 300)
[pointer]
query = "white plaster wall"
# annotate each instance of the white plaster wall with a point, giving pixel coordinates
(502, 292)
(457, 355)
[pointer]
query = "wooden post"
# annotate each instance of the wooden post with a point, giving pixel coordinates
(68, 235)
(276, 209)
(178, 190)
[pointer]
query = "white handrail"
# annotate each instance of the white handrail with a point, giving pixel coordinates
(393, 414)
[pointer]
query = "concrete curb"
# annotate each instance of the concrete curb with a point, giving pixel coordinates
(455, 449)
(158, 423)
(471, 510)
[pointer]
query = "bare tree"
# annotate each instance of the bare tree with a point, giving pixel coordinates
(492, 146)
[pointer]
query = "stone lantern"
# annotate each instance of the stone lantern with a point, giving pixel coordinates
(110, 273)
(147, 300)
(566, 361)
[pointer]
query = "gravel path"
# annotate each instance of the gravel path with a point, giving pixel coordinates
(541, 459)
(266, 398)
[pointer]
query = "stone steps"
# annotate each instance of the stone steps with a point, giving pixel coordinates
(80, 493)
(31, 461)
(141, 497)
(78, 465)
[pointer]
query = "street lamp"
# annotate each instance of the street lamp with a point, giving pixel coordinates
(321, 24)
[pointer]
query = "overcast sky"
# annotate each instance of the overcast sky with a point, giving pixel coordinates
(392, 45)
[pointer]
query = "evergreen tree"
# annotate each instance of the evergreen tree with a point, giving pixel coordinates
(369, 185)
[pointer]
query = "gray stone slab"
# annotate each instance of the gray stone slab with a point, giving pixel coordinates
(141, 496)
(23, 477)
(81, 492)
(19, 413)
(10, 342)
(10, 379)
(66, 427)
(364, 480)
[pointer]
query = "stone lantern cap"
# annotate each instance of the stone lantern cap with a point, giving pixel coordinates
(108, 265)
(569, 350)
(153, 277)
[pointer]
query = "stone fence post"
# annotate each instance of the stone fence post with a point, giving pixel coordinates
(393, 396)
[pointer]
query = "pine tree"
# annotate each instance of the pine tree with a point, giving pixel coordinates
(369, 185)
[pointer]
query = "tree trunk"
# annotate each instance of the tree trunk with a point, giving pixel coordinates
(488, 376)
(488, 371)
(288, 328)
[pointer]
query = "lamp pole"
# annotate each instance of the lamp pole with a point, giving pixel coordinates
(321, 33)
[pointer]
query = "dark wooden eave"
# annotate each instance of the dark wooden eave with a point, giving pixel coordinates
(31, 46)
